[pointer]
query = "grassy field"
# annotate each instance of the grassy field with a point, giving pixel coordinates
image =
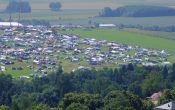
(81, 12)
(128, 38)
(17, 73)
(145, 21)
(54, 16)
(125, 37)
(172, 58)
(68, 4)
(166, 35)
(82, 17)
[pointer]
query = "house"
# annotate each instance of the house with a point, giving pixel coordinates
(167, 106)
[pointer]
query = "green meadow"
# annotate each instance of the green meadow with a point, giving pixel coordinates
(127, 38)
(70, 14)
(18, 73)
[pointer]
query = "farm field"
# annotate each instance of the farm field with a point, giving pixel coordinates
(82, 17)
(72, 52)
(53, 16)
(79, 13)
(67, 4)
(85, 3)
(145, 21)
(166, 35)
(127, 38)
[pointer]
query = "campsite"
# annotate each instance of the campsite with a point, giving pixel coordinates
(87, 54)
(39, 50)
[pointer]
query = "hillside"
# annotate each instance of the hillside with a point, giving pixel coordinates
(138, 11)
(93, 4)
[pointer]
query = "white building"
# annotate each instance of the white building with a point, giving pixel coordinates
(10, 24)
(107, 25)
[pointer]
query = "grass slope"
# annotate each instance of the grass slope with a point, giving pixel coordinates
(128, 38)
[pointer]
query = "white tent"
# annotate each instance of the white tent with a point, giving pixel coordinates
(12, 24)
(107, 25)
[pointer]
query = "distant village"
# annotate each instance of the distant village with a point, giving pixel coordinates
(41, 50)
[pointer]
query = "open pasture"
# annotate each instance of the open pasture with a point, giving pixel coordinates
(145, 21)
(127, 38)
(166, 35)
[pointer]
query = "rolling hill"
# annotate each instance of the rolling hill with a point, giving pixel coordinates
(138, 11)
(93, 4)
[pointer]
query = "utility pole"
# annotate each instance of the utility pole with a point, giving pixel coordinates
(20, 7)
(10, 14)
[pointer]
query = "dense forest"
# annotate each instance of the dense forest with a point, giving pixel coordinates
(138, 11)
(124, 88)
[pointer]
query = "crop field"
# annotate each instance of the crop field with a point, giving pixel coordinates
(82, 17)
(127, 38)
(81, 12)
(67, 4)
(100, 3)
(145, 21)
(54, 16)
(166, 35)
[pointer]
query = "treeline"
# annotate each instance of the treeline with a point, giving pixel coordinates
(124, 88)
(138, 11)
(149, 28)
(16, 7)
